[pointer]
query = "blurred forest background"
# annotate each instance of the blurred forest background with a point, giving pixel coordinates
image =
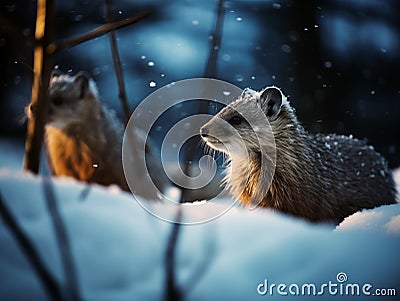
(337, 60)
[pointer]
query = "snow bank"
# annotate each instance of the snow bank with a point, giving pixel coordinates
(119, 248)
(385, 219)
(115, 243)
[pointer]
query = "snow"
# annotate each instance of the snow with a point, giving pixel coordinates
(119, 248)
(105, 229)
(385, 219)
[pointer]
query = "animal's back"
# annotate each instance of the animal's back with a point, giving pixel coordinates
(351, 174)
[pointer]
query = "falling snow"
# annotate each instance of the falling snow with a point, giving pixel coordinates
(327, 145)
(276, 5)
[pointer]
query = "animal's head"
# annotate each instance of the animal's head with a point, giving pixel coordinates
(245, 123)
(70, 98)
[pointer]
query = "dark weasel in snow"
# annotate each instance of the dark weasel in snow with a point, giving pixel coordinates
(319, 178)
(84, 138)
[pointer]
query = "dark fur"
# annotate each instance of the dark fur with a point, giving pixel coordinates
(84, 138)
(320, 178)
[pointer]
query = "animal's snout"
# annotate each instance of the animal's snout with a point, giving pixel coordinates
(204, 132)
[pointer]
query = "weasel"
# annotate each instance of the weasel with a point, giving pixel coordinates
(317, 177)
(83, 138)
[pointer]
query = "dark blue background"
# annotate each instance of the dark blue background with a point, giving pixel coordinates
(337, 60)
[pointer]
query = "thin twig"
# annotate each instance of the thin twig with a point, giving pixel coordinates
(49, 283)
(203, 265)
(71, 279)
(117, 65)
(172, 291)
(211, 67)
(44, 50)
(191, 151)
(101, 30)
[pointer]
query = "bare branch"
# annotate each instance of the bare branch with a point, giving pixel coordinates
(29, 250)
(172, 290)
(211, 67)
(191, 150)
(44, 49)
(203, 265)
(101, 30)
(71, 279)
(117, 65)
(42, 68)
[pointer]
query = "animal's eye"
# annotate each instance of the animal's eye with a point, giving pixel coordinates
(57, 101)
(236, 120)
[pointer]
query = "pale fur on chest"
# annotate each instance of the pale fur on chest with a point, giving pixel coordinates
(242, 177)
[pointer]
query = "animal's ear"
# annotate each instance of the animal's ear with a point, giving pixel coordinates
(271, 101)
(247, 92)
(82, 81)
